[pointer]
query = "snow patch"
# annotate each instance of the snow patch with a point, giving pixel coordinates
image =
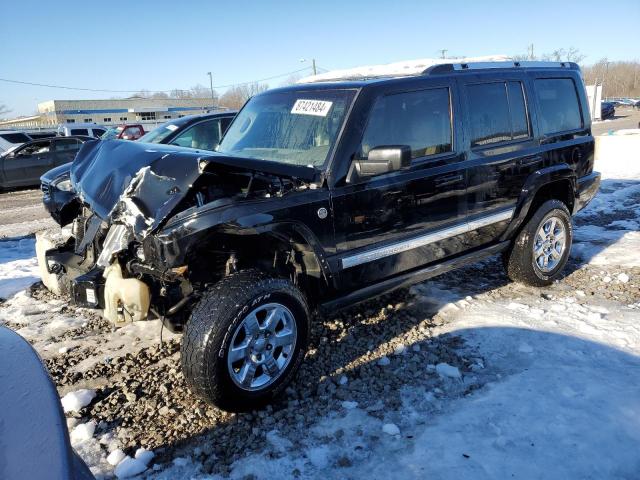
(76, 401)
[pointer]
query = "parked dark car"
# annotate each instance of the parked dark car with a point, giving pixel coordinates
(323, 195)
(193, 131)
(607, 110)
(35, 439)
(24, 165)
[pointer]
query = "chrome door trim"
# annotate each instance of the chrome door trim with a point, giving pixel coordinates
(422, 240)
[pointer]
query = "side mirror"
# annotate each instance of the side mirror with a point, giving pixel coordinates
(383, 159)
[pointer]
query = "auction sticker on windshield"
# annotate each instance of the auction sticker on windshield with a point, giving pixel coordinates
(319, 108)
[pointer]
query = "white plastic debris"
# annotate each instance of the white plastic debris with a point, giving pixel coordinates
(623, 277)
(391, 429)
(399, 350)
(76, 401)
(448, 371)
(115, 457)
(83, 432)
(384, 361)
(129, 467)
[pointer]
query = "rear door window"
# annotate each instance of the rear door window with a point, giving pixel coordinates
(79, 131)
(489, 111)
(498, 112)
(421, 120)
(65, 144)
(559, 105)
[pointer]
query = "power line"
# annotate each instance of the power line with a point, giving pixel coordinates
(104, 90)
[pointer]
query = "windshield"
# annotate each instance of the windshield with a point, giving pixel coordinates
(111, 133)
(157, 135)
(297, 127)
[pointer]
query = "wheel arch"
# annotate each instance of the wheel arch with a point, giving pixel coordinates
(555, 182)
(285, 249)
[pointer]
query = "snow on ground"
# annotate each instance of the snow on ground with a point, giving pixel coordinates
(551, 390)
(18, 266)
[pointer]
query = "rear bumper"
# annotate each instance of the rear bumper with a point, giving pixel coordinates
(587, 188)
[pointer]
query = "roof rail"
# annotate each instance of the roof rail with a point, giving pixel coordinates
(452, 67)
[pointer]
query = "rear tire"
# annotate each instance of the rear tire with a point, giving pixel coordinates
(237, 363)
(540, 252)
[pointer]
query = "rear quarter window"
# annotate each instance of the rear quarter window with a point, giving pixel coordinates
(558, 104)
(79, 131)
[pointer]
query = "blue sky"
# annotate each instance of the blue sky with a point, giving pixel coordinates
(160, 45)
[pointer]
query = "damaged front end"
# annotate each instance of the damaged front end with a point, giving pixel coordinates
(110, 258)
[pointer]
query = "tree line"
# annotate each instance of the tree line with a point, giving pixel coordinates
(618, 79)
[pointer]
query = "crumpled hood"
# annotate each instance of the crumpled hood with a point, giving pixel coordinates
(147, 181)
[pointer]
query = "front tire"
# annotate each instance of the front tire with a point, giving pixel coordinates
(245, 340)
(541, 249)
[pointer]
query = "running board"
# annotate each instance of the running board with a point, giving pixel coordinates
(410, 278)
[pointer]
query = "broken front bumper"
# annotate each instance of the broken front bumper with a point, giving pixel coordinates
(64, 272)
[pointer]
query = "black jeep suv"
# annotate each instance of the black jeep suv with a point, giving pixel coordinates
(322, 195)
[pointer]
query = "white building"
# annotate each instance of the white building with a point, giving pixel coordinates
(148, 111)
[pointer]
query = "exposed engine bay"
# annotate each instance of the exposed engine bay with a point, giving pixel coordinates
(118, 255)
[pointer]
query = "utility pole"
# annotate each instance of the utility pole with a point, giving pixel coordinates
(313, 65)
(213, 100)
(530, 51)
(443, 53)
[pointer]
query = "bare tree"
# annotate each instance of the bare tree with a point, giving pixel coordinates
(4, 109)
(570, 54)
(292, 79)
(236, 96)
(619, 79)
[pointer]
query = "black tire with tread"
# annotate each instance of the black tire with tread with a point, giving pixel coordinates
(518, 259)
(209, 330)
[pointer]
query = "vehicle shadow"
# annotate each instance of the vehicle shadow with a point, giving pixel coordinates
(535, 388)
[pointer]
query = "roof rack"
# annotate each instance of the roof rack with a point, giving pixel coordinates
(452, 67)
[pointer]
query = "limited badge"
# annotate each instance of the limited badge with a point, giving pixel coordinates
(322, 213)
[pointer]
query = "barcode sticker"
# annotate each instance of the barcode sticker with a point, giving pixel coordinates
(319, 108)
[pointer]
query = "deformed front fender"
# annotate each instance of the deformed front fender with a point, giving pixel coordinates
(536, 181)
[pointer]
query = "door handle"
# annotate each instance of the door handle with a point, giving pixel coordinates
(448, 180)
(529, 160)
